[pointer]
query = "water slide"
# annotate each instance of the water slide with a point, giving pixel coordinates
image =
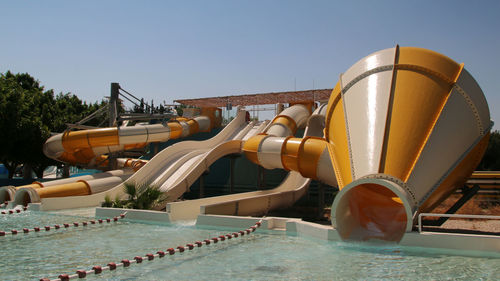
(88, 147)
(68, 185)
(188, 159)
(404, 128)
(260, 202)
(179, 176)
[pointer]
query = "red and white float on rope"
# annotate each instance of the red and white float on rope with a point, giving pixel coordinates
(160, 254)
(63, 226)
(13, 211)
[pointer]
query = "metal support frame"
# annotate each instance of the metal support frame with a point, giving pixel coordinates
(261, 177)
(113, 100)
(453, 216)
(468, 193)
(232, 163)
(202, 184)
(321, 198)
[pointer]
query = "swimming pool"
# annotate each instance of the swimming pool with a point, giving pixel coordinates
(264, 255)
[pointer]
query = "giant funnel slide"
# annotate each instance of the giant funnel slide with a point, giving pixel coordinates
(260, 202)
(404, 128)
(89, 146)
(180, 156)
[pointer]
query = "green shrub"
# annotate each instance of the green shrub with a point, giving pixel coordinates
(143, 196)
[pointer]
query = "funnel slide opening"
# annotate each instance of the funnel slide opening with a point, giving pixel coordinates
(376, 209)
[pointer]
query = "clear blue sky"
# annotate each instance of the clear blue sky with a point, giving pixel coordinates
(166, 50)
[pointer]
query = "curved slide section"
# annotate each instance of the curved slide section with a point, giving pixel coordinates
(309, 155)
(177, 179)
(87, 147)
(159, 165)
(259, 202)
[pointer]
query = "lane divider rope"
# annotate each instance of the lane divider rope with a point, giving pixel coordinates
(160, 254)
(14, 211)
(4, 204)
(64, 225)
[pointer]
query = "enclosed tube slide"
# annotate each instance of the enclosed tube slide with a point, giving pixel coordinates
(128, 167)
(7, 193)
(309, 155)
(27, 195)
(404, 128)
(87, 146)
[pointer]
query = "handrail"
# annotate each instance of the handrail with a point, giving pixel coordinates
(453, 216)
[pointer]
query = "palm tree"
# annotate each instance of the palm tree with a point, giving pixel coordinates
(142, 196)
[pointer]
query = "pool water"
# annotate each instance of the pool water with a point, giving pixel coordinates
(264, 255)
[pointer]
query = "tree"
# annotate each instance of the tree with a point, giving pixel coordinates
(142, 196)
(180, 109)
(28, 115)
(491, 158)
(139, 108)
(22, 103)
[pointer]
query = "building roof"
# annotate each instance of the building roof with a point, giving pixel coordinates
(257, 99)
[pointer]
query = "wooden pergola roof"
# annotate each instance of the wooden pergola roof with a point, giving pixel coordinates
(257, 99)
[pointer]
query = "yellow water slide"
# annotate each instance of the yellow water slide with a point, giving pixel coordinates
(404, 128)
(89, 147)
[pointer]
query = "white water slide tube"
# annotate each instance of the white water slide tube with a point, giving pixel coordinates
(256, 202)
(159, 166)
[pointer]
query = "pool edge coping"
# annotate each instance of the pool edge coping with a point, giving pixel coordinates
(296, 226)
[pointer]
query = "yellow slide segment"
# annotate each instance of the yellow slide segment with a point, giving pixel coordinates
(79, 187)
(283, 125)
(86, 147)
(309, 155)
(127, 167)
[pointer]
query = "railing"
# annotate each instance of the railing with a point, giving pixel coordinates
(453, 216)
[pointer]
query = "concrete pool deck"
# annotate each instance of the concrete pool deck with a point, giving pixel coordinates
(475, 245)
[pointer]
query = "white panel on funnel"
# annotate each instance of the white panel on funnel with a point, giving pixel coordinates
(366, 105)
(472, 89)
(380, 58)
(454, 133)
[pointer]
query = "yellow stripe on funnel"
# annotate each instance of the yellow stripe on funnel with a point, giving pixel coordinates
(410, 125)
(336, 135)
